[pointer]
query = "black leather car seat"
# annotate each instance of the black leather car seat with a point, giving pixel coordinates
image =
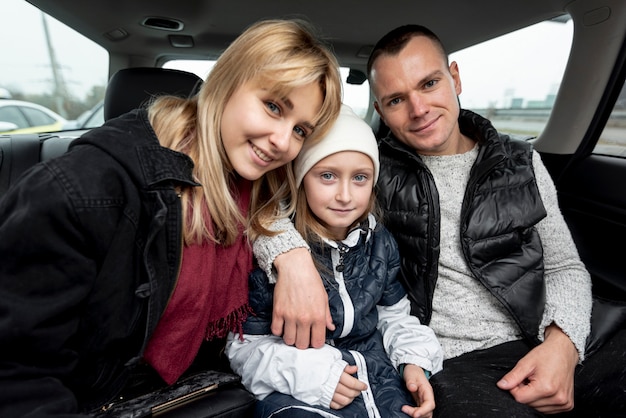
(131, 88)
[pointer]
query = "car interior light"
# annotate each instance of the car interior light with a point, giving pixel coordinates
(181, 41)
(163, 23)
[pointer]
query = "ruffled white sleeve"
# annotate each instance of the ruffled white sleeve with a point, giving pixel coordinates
(406, 340)
(266, 364)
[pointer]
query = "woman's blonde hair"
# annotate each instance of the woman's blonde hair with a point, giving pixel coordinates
(281, 54)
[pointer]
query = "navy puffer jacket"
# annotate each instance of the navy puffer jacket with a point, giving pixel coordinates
(366, 302)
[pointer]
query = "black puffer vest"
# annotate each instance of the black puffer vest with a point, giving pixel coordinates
(500, 208)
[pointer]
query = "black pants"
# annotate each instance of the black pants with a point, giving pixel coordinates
(467, 385)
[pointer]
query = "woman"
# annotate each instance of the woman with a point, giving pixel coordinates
(123, 256)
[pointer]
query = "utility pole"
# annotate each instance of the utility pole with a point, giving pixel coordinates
(60, 90)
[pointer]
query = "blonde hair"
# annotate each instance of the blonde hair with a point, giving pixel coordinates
(284, 54)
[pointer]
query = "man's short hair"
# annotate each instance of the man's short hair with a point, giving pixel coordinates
(396, 39)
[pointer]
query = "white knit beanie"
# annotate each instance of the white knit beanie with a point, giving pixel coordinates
(349, 133)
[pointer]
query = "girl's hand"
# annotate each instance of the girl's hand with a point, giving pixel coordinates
(422, 391)
(348, 388)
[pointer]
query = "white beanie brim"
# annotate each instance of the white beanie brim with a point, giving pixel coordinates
(348, 133)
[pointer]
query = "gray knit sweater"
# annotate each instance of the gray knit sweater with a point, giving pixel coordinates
(466, 317)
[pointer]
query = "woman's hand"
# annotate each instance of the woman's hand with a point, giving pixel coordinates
(301, 313)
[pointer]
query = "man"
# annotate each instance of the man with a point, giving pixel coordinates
(489, 262)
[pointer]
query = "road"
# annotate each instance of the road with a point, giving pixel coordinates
(612, 140)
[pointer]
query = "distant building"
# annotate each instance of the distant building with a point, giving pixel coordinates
(517, 102)
(535, 104)
(547, 103)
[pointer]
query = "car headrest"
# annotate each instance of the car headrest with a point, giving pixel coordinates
(378, 126)
(131, 88)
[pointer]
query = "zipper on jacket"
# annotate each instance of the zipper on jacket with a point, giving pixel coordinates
(337, 257)
(363, 375)
(343, 249)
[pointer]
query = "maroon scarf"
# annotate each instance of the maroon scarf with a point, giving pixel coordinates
(210, 299)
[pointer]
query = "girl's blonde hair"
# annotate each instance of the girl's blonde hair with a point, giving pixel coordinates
(281, 54)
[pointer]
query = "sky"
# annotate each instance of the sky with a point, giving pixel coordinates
(24, 59)
(488, 73)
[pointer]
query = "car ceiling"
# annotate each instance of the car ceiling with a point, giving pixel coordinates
(352, 26)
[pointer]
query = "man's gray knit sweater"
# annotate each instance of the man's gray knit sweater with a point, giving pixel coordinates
(466, 317)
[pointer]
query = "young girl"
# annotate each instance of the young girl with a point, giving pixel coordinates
(356, 372)
(121, 258)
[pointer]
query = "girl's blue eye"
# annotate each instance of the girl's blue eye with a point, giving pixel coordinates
(326, 176)
(360, 178)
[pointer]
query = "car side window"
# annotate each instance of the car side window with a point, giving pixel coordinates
(513, 79)
(613, 138)
(48, 67)
(12, 114)
(37, 117)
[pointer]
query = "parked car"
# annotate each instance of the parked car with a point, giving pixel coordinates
(18, 116)
(5, 94)
(577, 122)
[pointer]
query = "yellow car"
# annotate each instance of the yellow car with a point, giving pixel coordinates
(22, 117)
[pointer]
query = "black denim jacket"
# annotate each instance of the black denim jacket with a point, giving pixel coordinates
(90, 246)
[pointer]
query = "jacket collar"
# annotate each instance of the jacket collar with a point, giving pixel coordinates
(471, 124)
(131, 141)
(363, 231)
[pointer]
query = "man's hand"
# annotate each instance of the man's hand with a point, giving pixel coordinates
(301, 313)
(348, 388)
(544, 378)
(421, 390)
